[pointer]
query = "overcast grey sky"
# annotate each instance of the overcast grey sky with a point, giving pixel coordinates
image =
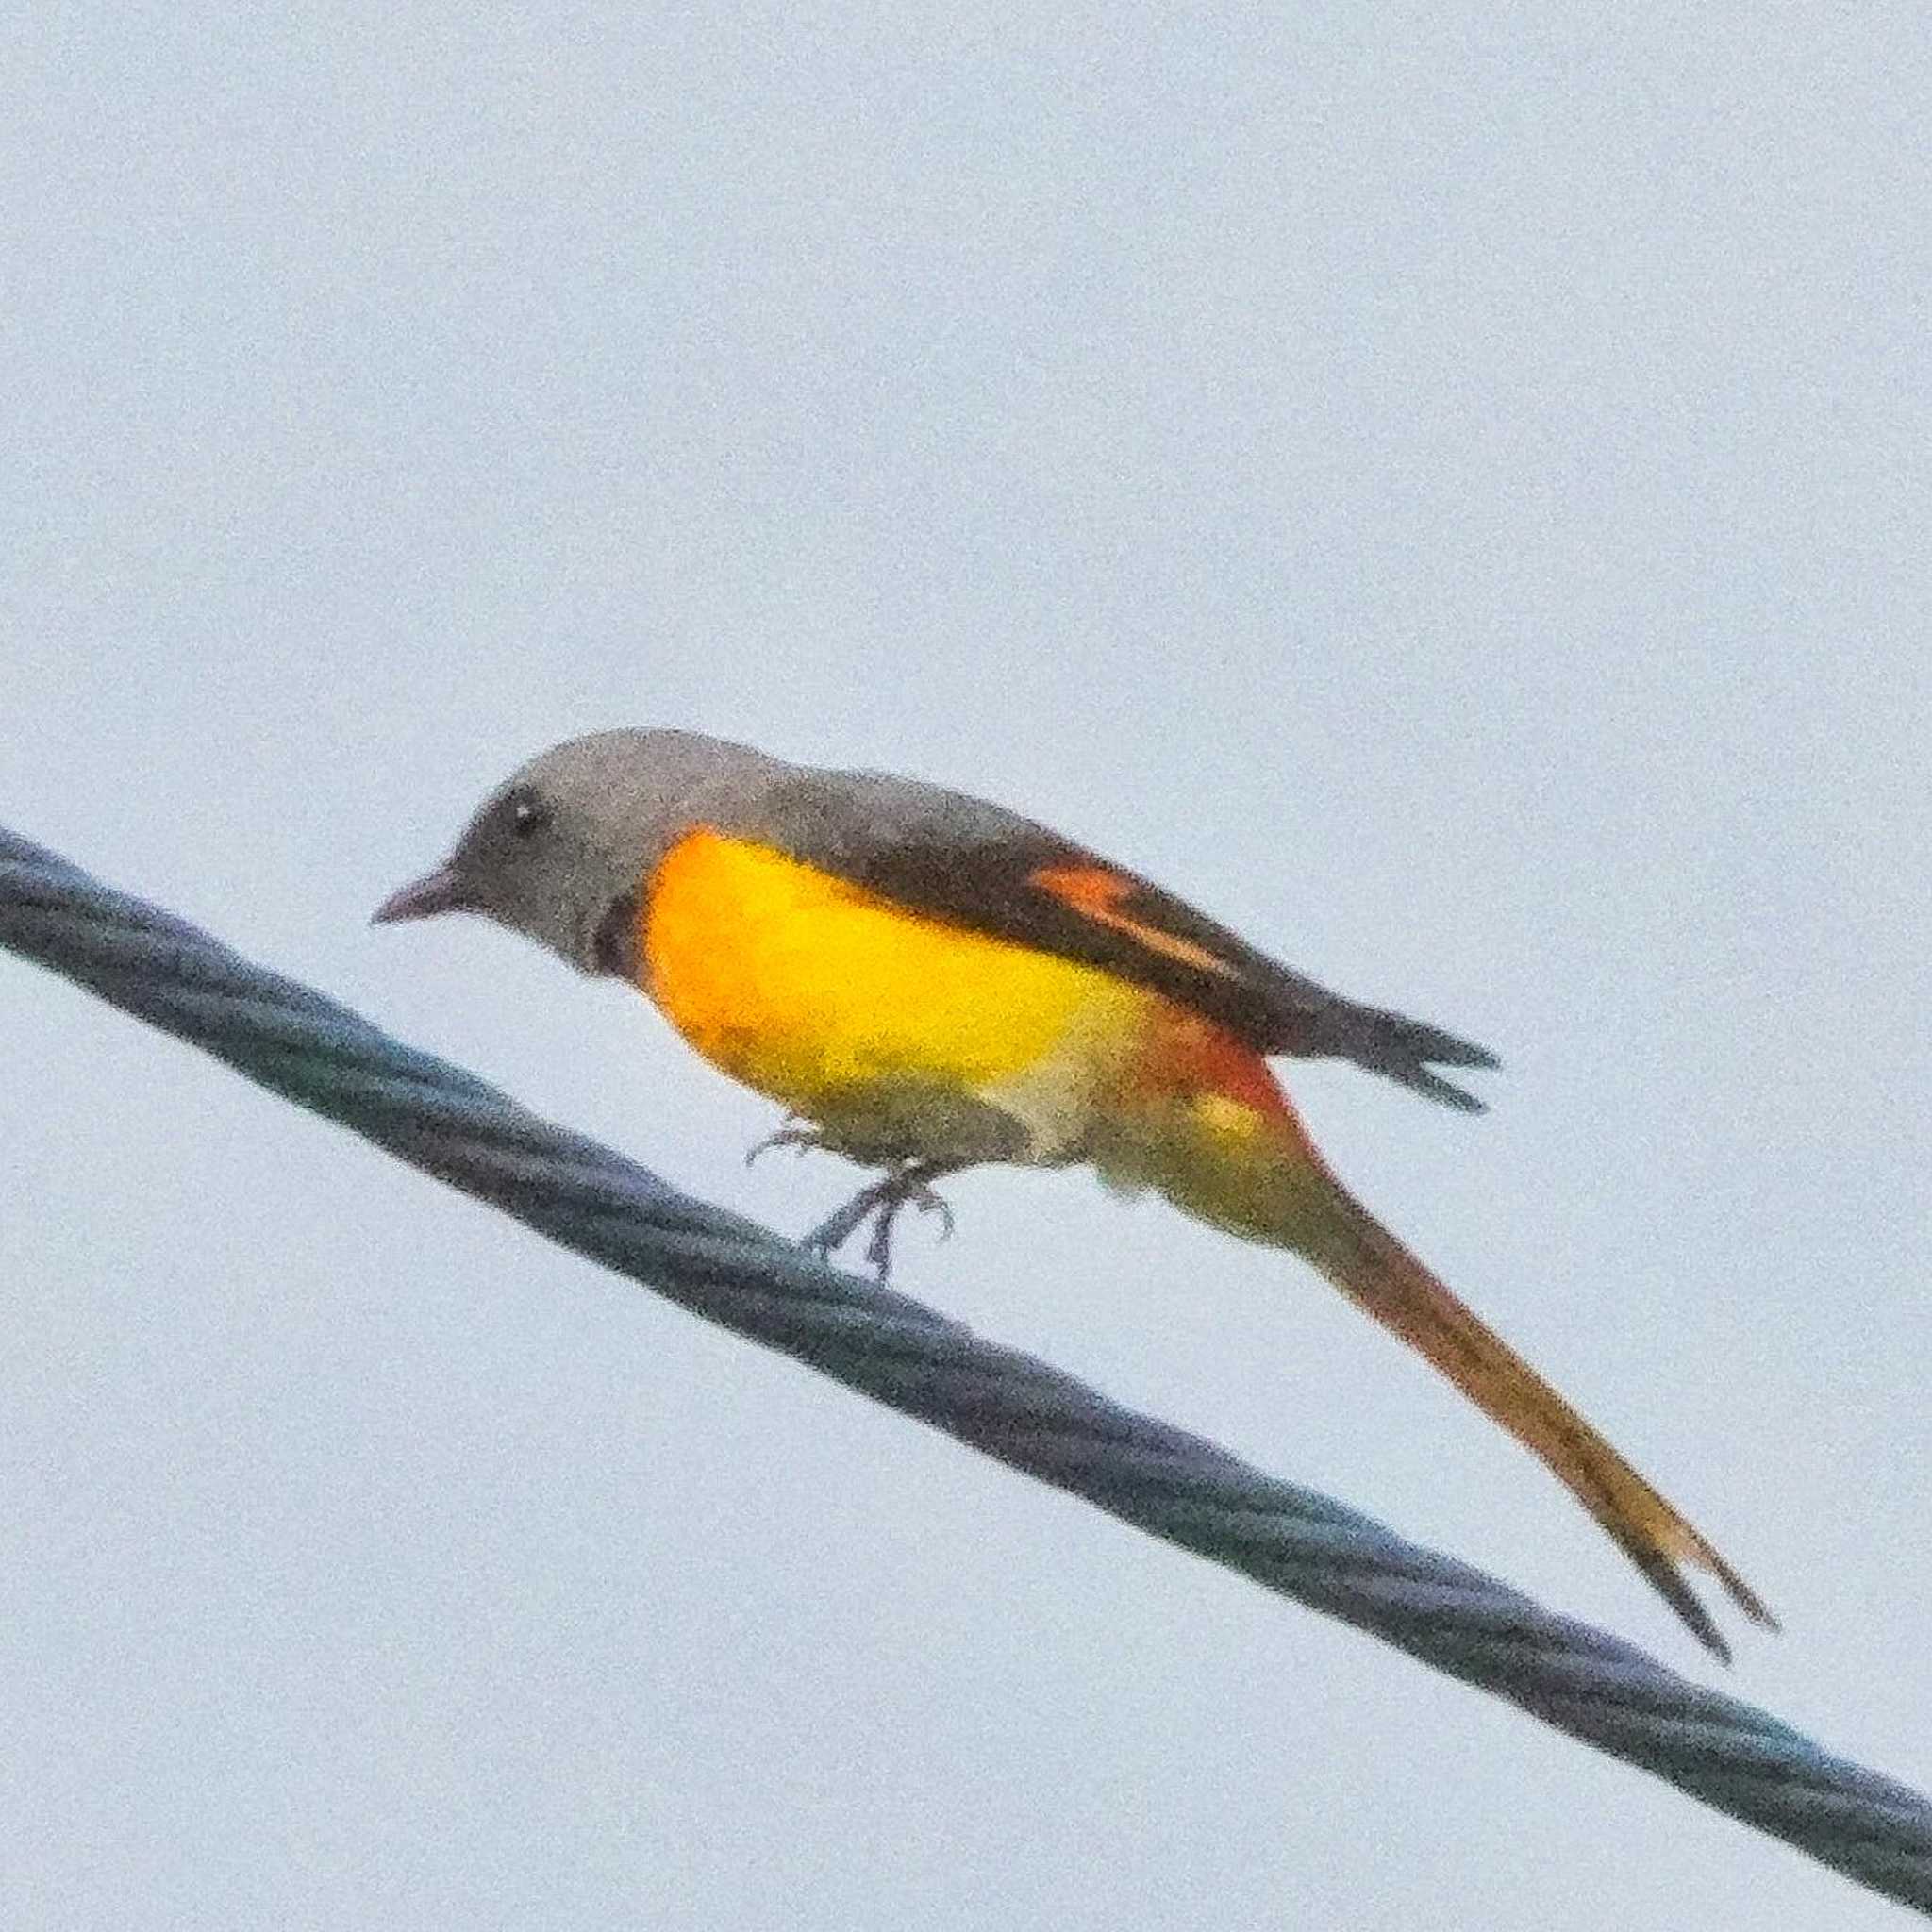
(1443, 486)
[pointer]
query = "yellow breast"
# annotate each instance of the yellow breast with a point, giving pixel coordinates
(840, 1004)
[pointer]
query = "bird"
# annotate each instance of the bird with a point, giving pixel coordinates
(928, 981)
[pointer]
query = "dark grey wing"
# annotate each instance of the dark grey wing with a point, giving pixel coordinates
(990, 870)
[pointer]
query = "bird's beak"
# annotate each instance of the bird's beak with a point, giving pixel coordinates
(436, 891)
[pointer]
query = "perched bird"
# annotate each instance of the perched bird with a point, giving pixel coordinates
(931, 982)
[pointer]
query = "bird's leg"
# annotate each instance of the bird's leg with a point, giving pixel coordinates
(906, 1184)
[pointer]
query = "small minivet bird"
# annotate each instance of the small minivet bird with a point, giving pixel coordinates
(932, 982)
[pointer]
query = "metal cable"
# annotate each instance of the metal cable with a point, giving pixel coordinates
(1176, 1486)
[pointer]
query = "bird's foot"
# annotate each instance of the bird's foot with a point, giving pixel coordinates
(803, 1137)
(906, 1184)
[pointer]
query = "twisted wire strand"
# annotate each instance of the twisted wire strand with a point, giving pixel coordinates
(1582, 1680)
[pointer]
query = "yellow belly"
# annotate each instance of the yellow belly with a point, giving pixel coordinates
(889, 1029)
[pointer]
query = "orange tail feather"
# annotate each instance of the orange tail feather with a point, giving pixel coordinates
(1215, 1133)
(1370, 1266)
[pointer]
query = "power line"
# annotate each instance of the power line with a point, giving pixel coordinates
(1176, 1486)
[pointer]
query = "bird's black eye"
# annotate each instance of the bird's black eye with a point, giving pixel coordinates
(527, 816)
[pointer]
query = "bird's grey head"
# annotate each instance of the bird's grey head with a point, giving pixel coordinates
(561, 849)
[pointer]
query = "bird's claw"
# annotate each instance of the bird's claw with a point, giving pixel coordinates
(919, 1195)
(803, 1139)
(907, 1184)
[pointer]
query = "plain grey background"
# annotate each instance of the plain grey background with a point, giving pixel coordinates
(1443, 486)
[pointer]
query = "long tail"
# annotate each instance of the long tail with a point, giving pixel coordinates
(1213, 1131)
(1377, 1273)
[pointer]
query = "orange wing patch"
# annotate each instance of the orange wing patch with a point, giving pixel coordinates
(1096, 893)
